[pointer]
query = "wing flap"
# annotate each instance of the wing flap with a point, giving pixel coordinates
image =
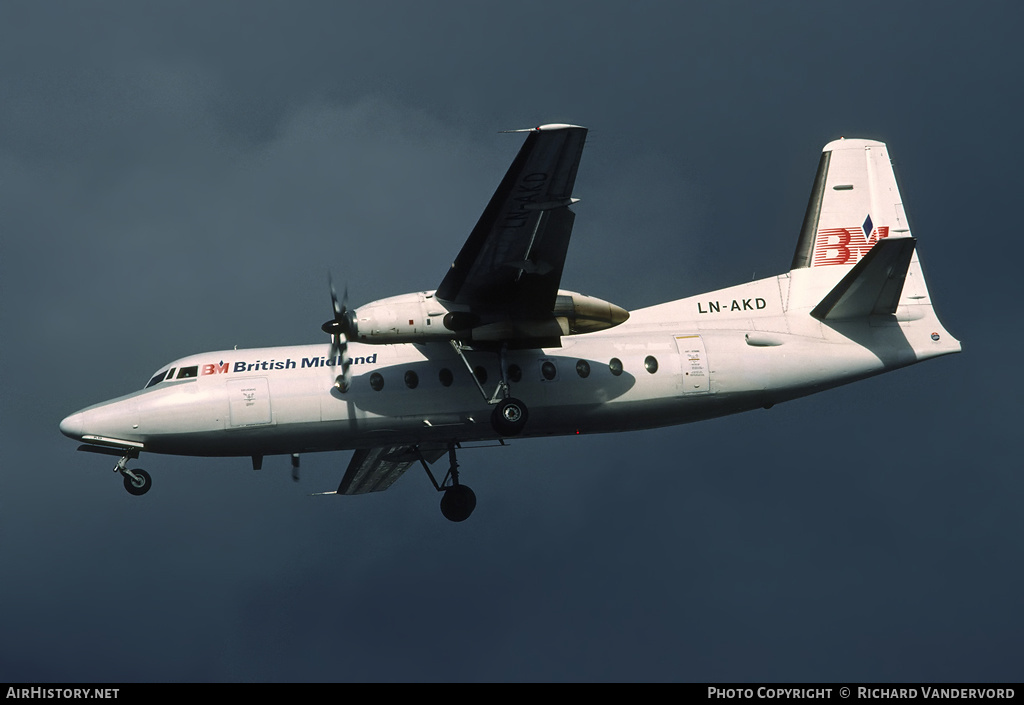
(376, 469)
(513, 259)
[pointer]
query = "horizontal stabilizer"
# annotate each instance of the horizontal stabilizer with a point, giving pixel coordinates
(873, 286)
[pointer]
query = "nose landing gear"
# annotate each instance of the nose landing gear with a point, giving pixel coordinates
(137, 481)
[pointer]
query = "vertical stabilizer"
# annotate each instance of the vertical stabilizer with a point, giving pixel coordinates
(856, 258)
(854, 204)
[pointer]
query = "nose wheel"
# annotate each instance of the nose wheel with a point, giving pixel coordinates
(137, 481)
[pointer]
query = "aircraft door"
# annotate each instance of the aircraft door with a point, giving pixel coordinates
(249, 402)
(693, 364)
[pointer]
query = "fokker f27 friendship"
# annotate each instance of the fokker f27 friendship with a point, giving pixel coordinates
(498, 350)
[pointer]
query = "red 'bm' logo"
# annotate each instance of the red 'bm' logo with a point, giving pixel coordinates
(845, 245)
(219, 368)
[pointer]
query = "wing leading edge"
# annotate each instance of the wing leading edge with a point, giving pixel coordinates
(512, 262)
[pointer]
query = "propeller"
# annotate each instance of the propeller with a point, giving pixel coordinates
(340, 328)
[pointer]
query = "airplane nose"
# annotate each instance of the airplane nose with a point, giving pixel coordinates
(72, 426)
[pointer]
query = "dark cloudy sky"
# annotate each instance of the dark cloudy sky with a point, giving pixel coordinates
(179, 176)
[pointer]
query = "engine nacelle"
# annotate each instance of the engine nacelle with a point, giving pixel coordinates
(578, 314)
(421, 317)
(402, 319)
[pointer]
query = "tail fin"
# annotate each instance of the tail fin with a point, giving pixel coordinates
(856, 256)
(854, 203)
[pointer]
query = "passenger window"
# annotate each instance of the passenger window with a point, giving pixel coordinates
(376, 381)
(651, 364)
(412, 380)
(481, 374)
(583, 368)
(515, 373)
(615, 365)
(547, 368)
(445, 375)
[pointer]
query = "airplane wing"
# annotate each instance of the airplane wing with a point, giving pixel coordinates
(376, 469)
(512, 262)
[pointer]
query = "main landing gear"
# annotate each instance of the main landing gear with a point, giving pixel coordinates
(510, 414)
(509, 417)
(458, 501)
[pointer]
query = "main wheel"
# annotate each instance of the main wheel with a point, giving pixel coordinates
(141, 485)
(458, 503)
(509, 417)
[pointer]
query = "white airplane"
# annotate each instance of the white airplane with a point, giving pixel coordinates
(498, 350)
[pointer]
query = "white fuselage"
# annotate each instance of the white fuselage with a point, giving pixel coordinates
(724, 352)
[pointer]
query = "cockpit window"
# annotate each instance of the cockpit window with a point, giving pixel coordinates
(168, 375)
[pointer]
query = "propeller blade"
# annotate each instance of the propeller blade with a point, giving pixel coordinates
(339, 328)
(344, 379)
(339, 310)
(343, 322)
(339, 351)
